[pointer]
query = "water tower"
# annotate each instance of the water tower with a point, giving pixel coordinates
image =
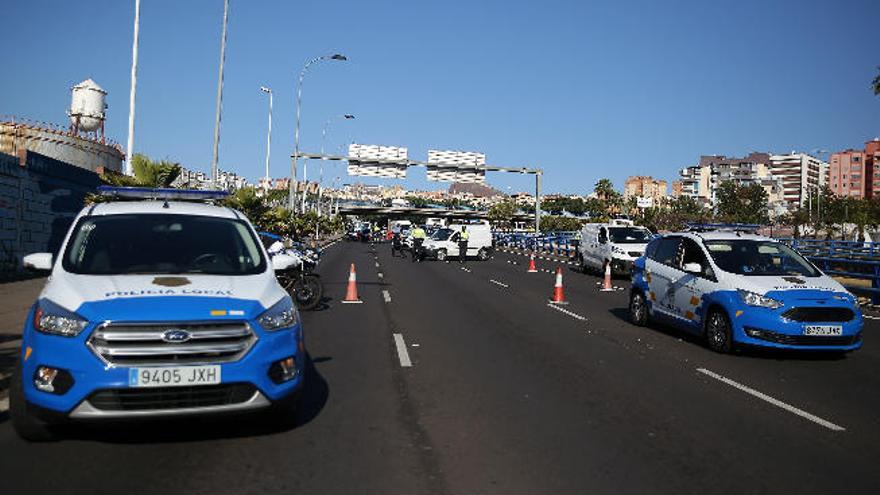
(87, 108)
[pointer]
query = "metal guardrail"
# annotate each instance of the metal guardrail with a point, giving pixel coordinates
(849, 259)
(556, 243)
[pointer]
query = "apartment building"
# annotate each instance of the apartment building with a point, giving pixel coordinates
(643, 186)
(800, 175)
(852, 172)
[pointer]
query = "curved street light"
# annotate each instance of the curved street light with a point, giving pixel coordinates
(302, 75)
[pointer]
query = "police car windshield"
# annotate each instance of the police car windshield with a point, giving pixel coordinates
(759, 258)
(160, 243)
(629, 235)
(442, 234)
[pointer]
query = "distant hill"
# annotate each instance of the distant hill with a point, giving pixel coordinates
(478, 190)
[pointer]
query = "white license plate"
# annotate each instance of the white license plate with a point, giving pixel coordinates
(174, 376)
(823, 330)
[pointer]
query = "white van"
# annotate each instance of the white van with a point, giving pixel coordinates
(618, 242)
(444, 242)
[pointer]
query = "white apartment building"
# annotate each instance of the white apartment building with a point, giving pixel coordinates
(800, 175)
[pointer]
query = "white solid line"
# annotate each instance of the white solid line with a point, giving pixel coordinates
(4, 404)
(569, 313)
(401, 351)
(498, 283)
(386, 295)
(771, 400)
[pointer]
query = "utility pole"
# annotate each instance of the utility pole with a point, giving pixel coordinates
(129, 148)
(214, 171)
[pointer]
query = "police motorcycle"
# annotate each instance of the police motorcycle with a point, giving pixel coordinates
(300, 281)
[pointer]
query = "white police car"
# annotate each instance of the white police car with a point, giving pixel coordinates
(738, 288)
(156, 308)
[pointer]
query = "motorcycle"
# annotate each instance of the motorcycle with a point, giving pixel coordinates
(300, 281)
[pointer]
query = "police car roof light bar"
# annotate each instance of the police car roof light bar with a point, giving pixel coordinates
(166, 194)
(727, 227)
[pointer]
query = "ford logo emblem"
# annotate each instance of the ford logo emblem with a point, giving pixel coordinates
(176, 336)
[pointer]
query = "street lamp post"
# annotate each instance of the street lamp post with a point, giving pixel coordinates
(268, 91)
(214, 157)
(346, 116)
(302, 75)
(129, 148)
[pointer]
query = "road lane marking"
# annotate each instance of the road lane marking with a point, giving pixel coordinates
(771, 400)
(381, 275)
(499, 283)
(466, 269)
(565, 311)
(377, 264)
(4, 404)
(386, 296)
(402, 353)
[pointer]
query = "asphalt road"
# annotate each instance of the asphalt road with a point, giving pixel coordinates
(503, 394)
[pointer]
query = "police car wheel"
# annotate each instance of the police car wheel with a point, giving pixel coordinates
(638, 309)
(441, 255)
(28, 426)
(718, 334)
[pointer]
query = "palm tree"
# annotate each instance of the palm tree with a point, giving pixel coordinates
(876, 83)
(604, 189)
(147, 173)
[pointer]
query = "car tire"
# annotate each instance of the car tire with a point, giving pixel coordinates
(482, 254)
(441, 255)
(25, 424)
(719, 336)
(638, 309)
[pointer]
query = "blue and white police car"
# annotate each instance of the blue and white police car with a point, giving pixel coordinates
(155, 308)
(739, 288)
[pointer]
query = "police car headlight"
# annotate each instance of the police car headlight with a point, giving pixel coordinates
(281, 315)
(53, 319)
(753, 299)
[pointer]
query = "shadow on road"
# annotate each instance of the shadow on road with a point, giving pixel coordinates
(196, 429)
(741, 350)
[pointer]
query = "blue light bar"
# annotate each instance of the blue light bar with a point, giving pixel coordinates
(731, 227)
(160, 193)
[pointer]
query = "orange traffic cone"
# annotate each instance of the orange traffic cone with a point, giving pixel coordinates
(532, 267)
(351, 293)
(558, 294)
(606, 286)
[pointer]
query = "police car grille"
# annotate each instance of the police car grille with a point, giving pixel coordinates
(151, 399)
(141, 344)
(634, 254)
(819, 314)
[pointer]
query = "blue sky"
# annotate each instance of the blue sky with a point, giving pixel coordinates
(583, 89)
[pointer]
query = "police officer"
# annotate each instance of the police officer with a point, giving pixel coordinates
(576, 243)
(418, 235)
(463, 237)
(396, 244)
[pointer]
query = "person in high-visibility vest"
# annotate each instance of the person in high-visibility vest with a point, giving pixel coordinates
(463, 237)
(576, 243)
(418, 235)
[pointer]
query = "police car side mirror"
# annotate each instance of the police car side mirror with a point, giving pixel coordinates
(282, 262)
(694, 268)
(38, 261)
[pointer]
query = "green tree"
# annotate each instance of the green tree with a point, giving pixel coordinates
(502, 213)
(604, 189)
(742, 204)
(876, 83)
(147, 173)
(248, 202)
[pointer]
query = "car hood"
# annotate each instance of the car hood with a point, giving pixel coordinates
(764, 284)
(72, 291)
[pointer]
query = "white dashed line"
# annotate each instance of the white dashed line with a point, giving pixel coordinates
(499, 283)
(380, 275)
(377, 264)
(565, 311)
(402, 353)
(4, 404)
(771, 400)
(386, 296)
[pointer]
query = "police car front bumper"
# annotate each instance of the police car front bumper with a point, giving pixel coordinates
(763, 327)
(98, 390)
